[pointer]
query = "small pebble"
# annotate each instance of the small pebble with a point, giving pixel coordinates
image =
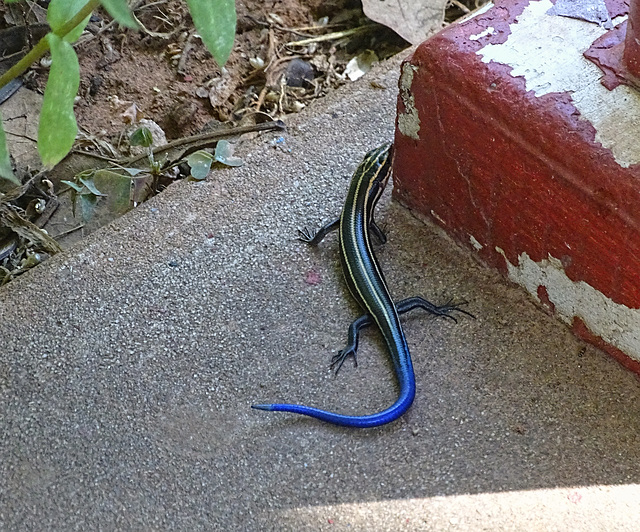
(299, 72)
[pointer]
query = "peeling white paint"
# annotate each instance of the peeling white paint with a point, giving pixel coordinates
(547, 52)
(409, 121)
(474, 242)
(435, 215)
(489, 31)
(616, 324)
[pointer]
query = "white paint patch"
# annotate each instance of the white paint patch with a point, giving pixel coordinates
(409, 121)
(435, 215)
(616, 324)
(489, 31)
(474, 242)
(547, 52)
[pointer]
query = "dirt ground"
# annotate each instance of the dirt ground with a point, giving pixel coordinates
(172, 79)
(165, 70)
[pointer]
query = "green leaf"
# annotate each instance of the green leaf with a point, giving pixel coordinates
(215, 21)
(87, 205)
(224, 154)
(133, 171)
(91, 187)
(200, 164)
(74, 186)
(62, 11)
(119, 10)
(117, 188)
(6, 172)
(58, 128)
(141, 137)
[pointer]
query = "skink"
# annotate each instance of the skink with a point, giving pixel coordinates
(366, 282)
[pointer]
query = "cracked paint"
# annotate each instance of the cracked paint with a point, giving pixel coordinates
(557, 65)
(474, 242)
(616, 324)
(409, 120)
(488, 31)
(435, 215)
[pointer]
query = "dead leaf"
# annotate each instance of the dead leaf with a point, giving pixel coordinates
(131, 114)
(590, 10)
(359, 65)
(21, 113)
(413, 20)
(221, 88)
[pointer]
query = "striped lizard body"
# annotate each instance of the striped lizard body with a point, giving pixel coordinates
(367, 285)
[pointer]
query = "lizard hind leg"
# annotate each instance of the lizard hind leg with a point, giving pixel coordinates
(351, 349)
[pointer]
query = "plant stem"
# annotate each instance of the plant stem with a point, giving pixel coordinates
(43, 45)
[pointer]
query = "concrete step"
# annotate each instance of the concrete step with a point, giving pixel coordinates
(507, 139)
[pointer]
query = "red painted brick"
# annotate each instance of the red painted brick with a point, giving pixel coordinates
(513, 170)
(544, 299)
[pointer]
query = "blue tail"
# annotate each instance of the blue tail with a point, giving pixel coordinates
(407, 393)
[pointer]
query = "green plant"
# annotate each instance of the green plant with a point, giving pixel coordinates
(200, 161)
(215, 21)
(84, 192)
(125, 186)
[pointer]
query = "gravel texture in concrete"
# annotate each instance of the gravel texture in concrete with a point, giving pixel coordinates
(129, 363)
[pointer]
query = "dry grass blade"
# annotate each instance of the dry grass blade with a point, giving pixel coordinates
(333, 36)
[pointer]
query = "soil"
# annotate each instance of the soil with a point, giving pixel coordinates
(166, 72)
(172, 79)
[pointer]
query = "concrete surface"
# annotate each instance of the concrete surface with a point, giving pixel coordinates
(129, 364)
